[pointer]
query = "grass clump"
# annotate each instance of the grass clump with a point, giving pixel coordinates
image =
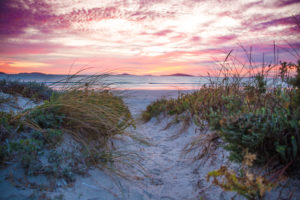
(90, 117)
(170, 107)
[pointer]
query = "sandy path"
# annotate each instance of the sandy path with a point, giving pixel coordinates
(172, 174)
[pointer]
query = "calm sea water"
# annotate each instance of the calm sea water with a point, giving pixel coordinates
(119, 81)
(125, 81)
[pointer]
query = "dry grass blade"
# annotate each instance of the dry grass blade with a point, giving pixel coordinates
(203, 147)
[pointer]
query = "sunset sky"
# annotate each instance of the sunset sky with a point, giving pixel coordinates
(142, 36)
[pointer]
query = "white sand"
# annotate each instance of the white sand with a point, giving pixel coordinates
(17, 103)
(171, 174)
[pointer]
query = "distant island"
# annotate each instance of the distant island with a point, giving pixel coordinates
(126, 74)
(178, 74)
(123, 74)
(33, 73)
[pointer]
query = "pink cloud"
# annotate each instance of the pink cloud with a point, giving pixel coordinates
(120, 33)
(225, 39)
(25, 48)
(163, 32)
(195, 39)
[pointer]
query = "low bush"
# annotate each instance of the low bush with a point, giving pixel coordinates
(267, 124)
(247, 114)
(246, 183)
(34, 90)
(10, 124)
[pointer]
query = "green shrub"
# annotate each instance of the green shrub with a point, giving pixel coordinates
(46, 117)
(270, 127)
(266, 135)
(246, 114)
(50, 137)
(28, 150)
(10, 125)
(33, 90)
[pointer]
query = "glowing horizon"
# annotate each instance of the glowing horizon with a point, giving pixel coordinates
(140, 37)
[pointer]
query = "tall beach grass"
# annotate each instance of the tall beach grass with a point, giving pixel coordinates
(75, 128)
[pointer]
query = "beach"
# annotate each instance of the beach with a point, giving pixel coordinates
(149, 100)
(167, 171)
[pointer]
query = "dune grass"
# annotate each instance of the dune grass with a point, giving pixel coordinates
(74, 129)
(87, 115)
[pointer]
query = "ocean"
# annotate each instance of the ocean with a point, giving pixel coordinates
(121, 82)
(126, 82)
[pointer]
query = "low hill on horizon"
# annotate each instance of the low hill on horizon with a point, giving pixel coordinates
(178, 74)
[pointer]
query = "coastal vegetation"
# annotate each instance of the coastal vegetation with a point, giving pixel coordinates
(257, 114)
(254, 116)
(33, 90)
(67, 134)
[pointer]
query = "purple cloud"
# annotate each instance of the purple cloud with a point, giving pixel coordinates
(26, 48)
(16, 16)
(285, 21)
(224, 39)
(146, 3)
(281, 3)
(252, 4)
(288, 21)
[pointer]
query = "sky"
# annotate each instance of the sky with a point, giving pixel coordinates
(144, 37)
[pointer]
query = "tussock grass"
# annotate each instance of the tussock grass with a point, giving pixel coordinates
(87, 116)
(92, 116)
(75, 128)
